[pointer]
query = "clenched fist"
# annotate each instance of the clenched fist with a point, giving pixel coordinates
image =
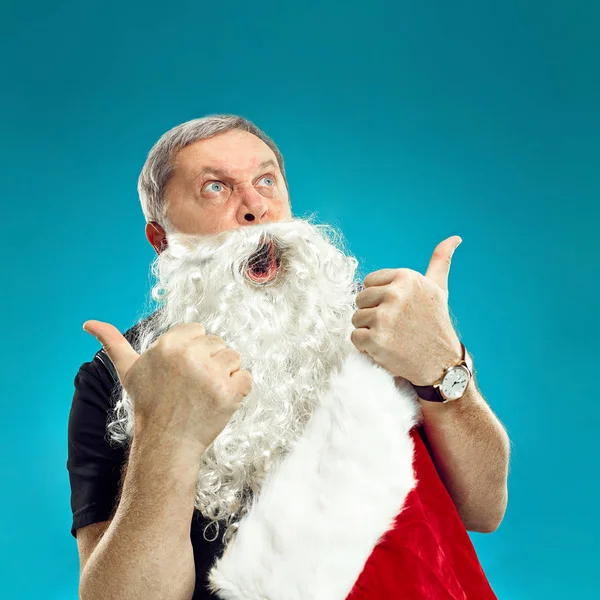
(185, 387)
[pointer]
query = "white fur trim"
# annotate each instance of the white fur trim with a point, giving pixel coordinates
(323, 510)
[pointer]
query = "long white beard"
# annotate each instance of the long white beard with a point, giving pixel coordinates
(293, 334)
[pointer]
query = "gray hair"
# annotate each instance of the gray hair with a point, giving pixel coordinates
(158, 167)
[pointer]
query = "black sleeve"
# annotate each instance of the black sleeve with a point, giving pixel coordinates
(94, 464)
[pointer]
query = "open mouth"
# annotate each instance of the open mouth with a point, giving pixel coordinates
(264, 263)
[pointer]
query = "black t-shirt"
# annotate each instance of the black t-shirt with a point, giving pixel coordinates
(95, 465)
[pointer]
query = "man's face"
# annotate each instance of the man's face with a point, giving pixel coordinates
(228, 181)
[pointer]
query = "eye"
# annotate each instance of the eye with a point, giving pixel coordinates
(268, 181)
(215, 187)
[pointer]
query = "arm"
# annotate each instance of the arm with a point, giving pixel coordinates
(471, 450)
(146, 552)
(184, 390)
(403, 322)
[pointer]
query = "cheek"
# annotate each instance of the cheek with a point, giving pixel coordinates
(214, 220)
(285, 212)
(283, 206)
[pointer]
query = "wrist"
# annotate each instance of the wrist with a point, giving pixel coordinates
(168, 445)
(443, 357)
(452, 384)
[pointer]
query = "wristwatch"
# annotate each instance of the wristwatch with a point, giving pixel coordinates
(452, 384)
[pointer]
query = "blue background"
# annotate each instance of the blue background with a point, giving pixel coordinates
(403, 123)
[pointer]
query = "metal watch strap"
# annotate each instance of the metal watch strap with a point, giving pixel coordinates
(432, 392)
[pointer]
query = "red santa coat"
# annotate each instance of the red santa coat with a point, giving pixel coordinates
(356, 510)
(428, 553)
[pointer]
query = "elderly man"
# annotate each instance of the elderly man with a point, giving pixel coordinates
(277, 429)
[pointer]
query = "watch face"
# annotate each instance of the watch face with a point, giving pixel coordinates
(455, 383)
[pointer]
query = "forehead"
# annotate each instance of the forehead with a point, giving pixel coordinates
(233, 151)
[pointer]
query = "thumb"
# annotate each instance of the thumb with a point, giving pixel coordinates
(119, 350)
(439, 265)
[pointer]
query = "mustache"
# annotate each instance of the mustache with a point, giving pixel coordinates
(280, 255)
(248, 247)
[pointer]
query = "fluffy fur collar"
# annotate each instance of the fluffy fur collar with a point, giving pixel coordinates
(323, 510)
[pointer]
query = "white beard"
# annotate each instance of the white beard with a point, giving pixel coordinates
(293, 335)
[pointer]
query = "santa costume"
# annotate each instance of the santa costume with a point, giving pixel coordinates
(356, 510)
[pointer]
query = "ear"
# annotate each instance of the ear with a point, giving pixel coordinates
(157, 236)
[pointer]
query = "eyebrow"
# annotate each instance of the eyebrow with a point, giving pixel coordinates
(220, 173)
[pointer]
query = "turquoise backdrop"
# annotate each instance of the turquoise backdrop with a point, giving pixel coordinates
(403, 123)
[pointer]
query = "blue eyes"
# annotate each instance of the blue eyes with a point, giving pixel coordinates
(214, 187)
(270, 180)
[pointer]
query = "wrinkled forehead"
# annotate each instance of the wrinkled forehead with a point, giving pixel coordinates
(235, 154)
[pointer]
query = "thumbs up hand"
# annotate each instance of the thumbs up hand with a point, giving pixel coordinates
(403, 319)
(184, 388)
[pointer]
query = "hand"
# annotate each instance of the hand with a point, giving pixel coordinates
(403, 321)
(185, 387)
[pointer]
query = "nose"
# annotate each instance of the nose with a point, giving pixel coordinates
(253, 208)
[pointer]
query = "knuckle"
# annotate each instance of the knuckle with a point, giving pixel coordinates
(383, 319)
(405, 275)
(166, 345)
(394, 291)
(215, 338)
(399, 291)
(375, 319)
(231, 353)
(399, 300)
(362, 298)
(379, 337)
(247, 381)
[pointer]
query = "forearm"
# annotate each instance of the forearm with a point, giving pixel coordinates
(470, 449)
(146, 552)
